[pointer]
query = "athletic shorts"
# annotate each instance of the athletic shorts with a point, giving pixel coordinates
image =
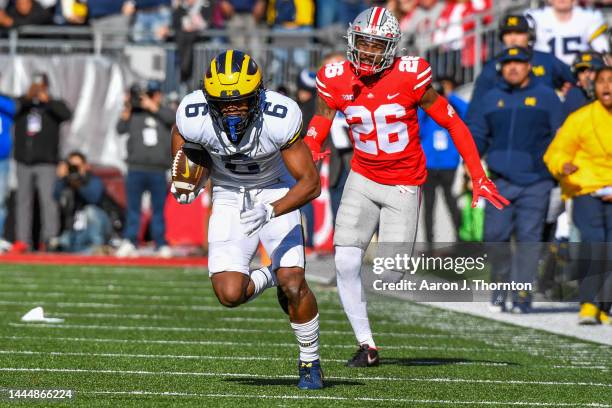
(230, 249)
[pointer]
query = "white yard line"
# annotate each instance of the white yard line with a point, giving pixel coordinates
(247, 375)
(279, 331)
(154, 356)
(79, 287)
(332, 398)
(246, 343)
(211, 329)
(90, 295)
(128, 284)
(253, 308)
(255, 358)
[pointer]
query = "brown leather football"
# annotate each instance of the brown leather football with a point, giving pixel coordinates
(187, 176)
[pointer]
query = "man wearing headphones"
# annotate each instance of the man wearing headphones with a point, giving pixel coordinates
(518, 31)
(584, 68)
(513, 125)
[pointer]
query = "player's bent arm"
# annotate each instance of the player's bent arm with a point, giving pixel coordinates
(298, 160)
(319, 126)
(443, 113)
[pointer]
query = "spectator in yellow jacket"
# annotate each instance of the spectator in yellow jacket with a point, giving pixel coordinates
(580, 156)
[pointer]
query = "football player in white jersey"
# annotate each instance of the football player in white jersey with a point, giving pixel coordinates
(262, 173)
(565, 29)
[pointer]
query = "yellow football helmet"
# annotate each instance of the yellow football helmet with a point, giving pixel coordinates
(233, 76)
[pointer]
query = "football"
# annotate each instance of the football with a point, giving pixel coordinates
(188, 176)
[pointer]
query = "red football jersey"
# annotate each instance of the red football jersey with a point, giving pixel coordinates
(382, 118)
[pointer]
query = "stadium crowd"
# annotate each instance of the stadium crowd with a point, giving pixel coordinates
(521, 99)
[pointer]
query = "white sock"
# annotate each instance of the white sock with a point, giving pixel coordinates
(307, 335)
(262, 278)
(350, 289)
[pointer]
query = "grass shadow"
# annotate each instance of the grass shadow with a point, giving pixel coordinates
(291, 382)
(413, 362)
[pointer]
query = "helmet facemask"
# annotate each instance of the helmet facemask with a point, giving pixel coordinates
(234, 125)
(380, 61)
(233, 78)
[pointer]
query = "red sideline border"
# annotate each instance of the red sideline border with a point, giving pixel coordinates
(82, 260)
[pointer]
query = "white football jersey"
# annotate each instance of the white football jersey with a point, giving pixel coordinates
(585, 30)
(256, 161)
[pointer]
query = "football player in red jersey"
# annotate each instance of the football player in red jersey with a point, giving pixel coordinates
(379, 94)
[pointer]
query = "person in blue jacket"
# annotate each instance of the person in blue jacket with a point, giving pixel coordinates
(7, 112)
(517, 31)
(441, 156)
(584, 68)
(513, 125)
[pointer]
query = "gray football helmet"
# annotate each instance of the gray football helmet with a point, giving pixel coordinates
(373, 24)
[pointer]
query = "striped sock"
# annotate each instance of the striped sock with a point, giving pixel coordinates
(262, 279)
(307, 335)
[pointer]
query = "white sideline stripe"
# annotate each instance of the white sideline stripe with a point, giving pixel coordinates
(331, 398)
(422, 74)
(101, 288)
(247, 375)
(253, 358)
(423, 82)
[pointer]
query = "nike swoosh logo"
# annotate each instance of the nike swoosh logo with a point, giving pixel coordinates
(186, 173)
(370, 359)
(392, 96)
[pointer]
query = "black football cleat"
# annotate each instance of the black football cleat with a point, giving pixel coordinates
(366, 356)
(283, 300)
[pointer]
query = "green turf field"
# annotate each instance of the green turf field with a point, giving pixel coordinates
(135, 337)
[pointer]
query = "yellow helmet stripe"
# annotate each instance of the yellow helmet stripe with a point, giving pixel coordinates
(245, 64)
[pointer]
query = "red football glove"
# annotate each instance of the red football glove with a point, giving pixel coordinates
(483, 187)
(319, 156)
(318, 130)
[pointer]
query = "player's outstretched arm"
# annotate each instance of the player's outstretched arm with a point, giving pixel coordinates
(298, 160)
(318, 129)
(443, 113)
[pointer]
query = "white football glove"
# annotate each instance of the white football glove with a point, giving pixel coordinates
(255, 218)
(184, 198)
